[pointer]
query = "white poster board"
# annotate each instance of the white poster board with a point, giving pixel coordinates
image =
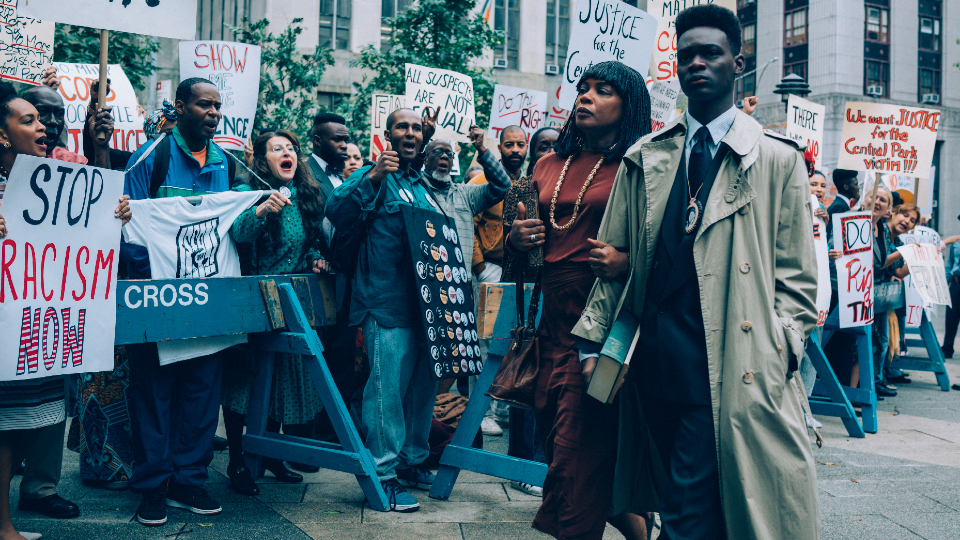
(663, 64)
(603, 31)
(929, 274)
(915, 303)
(449, 90)
(235, 70)
(885, 138)
(164, 93)
(58, 319)
(823, 264)
(175, 19)
(26, 46)
(380, 109)
(663, 102)
(805, 124)
(556, 114)
(853, 236)
(75, 81)
(514, 106)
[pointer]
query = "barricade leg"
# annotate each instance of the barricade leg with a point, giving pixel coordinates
(836, 403)
(259, 408)
(868, 401)
(934, 362)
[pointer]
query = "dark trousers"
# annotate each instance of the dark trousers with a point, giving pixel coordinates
(524, 442)
(174, 411)
(953, 317)
(340, 354)
(690, 508)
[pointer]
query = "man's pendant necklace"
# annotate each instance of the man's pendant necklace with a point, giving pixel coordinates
(694, 210)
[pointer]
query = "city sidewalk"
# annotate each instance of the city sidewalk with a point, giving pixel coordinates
(902, 483)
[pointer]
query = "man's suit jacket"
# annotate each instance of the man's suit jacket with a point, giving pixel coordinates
(838, 206)
(343, 287)
(326, 186)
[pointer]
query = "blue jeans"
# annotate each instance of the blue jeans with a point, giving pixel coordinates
(398, 398)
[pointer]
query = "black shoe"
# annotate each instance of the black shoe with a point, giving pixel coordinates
(303, 467)
(242, 482)
(53, 506)
(219, 444)
(899, 380)
(283, 474)
(947, 354)
(884, 391)
(153, 511)
(194, 499)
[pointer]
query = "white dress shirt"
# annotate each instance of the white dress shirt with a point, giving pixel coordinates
(718, 129)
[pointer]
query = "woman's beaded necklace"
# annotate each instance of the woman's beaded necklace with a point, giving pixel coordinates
(576, 205)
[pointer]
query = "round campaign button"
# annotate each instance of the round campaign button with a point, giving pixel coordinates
(438, 273)
(431, 201)
(447, 274)
(429, 316)
(456, 275)
(474, 334)
(463, 274)
(454, 350)
(463, 349)
(443, 253)
(406, 195)
(459, 254)
(453, 236)
(470, 351)
(438, 369)
(425, 293)
(464, 365)
(446, 232)
(476, 350)
(479, 365)
(421, 270)
(443, 296)
(473, 366)
(450, 333)
(459, 333)
(470, 316)
(425, 249)
(431, 232)
(447, 316)
(443, 351)
(434, 252)
(456, 316)
(452, 293)
(435, 352)
(439, 312)
(456, 368)
(432, 334)
(460, 296)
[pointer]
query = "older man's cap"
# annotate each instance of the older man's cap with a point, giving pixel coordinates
(843, 175)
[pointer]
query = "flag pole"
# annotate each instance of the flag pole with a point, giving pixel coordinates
(102, 88)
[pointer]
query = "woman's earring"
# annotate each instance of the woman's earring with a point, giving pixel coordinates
(6, 144)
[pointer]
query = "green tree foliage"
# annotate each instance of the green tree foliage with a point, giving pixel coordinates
(81, 45)
(436, 33)
(288, 78)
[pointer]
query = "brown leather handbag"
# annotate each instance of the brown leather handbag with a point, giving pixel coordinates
(516, 380)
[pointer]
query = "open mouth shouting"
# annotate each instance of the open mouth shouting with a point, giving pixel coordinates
(409, 148)
(210, 127)
(41, 143)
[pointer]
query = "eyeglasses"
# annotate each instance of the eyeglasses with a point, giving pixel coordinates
(278, 149)
(440, 152)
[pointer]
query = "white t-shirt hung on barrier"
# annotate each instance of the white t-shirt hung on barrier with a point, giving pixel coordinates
(186, 241)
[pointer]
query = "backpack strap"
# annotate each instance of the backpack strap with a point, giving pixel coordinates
(161, 164)
(231, 167)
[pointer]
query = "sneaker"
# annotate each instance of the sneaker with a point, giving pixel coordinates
(398, 498)
(192, 498)
(489, 426)
(527, 488)
(812, 422)
(152, 511)
(416, 477)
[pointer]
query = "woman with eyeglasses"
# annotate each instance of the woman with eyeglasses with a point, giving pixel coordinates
(284, 233)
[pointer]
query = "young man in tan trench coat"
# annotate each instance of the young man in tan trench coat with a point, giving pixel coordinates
(712, 217)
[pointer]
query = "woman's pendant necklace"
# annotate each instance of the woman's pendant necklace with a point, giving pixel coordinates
(285, 191)
(694, 210)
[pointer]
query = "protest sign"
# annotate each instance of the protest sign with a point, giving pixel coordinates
(235, 70)
(805, 123)
(75, 81)
(663, 64)
(884, 138)
(606, 30)
(556, 114)
(663, 102)
(821, 249)
(380, 109)
(61, 213)
(517, 107)
(929, 274)
(921, 235)
(449, 90)
(175, 19)
(854, 268)
(914, 303)
(164, 93)
(26, 46)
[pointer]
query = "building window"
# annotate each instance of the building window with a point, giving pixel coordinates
(876, 75)
(746, 86)
(795, 27)
(389, 10)
(929, 83)
(329, 101)
(929, 34)
(335, 36)
(798, 68)
(216, 17)
(558, 32)
(749, 39)
(507, 18)
(745, 3)
(878, 24)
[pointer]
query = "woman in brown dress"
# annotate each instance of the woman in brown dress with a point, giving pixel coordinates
(579, 433)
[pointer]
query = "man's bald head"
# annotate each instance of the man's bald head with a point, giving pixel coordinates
(50, 106)
(513, 149)
(511, 132)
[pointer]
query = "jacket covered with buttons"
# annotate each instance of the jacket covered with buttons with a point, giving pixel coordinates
(758, 289)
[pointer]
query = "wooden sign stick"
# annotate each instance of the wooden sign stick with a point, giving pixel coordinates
(102, 88)
(873, 199)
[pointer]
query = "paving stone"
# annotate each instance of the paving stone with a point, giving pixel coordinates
(433, 511)
(384, 531)
(863, 527)
(929, 526)
(319, 512)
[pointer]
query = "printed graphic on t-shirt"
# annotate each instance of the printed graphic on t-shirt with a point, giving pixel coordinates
(197, 246)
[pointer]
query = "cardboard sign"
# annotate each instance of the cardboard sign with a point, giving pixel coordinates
(235, 70)
(75, 81)
(449, 90)
(603, 31)
(884, 138)
(514, 106)
(380, 109)
(929, 274)
(663, 102)
(805, 124)
(58, 319)
(823, 264)
(175, 19)
(445, 292)
(556, 114)
(26, 46)
(914, 303)
(164, 92)
(663, 64)
(853, 236)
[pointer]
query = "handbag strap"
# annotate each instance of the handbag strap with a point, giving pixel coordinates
(534, 298)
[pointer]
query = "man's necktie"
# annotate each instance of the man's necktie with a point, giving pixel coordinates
(335, 172)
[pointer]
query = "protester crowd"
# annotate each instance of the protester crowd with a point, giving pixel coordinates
(702, 231)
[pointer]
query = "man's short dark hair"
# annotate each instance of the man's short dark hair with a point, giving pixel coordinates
(185, 88)
(326, 118)
(715, 17)
(510, 129)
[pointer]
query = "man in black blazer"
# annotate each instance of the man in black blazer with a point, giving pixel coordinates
(847, 189)
(330, 138)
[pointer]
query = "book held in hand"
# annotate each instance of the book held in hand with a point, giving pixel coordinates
(614, 358)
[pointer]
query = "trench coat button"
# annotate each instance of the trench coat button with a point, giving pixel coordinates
(747, 378)
(744, 210)
(746, 326)
(744, 268)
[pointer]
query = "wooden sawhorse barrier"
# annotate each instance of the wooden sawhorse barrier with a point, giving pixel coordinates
(830, 397)
(497, 317)
(934, 360)
(279, 311)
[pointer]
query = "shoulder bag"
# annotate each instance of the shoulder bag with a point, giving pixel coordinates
(516, 380)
